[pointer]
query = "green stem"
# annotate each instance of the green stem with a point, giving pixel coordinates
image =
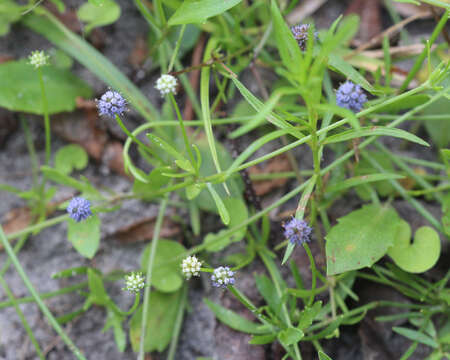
(120, 312)
(183, 130)
(22, 318)
(46, 118)
(53, 322)
(177, 48)
(177, 327)
(418, 64)
(313, 272)
(148, 281)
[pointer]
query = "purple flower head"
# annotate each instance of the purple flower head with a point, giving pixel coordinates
(300, 33)
(111, 104)
(350, 96)
(297, 231)
(79, 209)
(222, 277)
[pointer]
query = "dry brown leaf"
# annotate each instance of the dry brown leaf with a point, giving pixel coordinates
(16, 220)
(369, 13)
(303, 10)
(139, 53)
(5, 57)
(407, 10)
(142, 230)
(277, 164)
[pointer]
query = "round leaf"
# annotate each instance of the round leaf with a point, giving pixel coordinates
(419, 256)
(360, 238)
(21, 91)
(166, 276)
(70, 157)
(84, 235)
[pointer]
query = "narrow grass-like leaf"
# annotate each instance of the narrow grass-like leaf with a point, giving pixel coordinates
(415, 335)
(223, 212)
(358, 180)
(374, 130)
(339, 64)
(51, 28)
(234, 320)
(197, 11)
(299, 214)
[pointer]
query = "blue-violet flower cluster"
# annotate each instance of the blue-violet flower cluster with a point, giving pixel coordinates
(111, 104)
(297, 231)
(350, 96)
(134, 282)
(301, 33)
(79, 209)
(222, 277)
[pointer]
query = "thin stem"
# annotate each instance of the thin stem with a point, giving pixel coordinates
(177, 48)
(46, 118)
(135, 139)
(313, 272)
(119, 311)
(183, 130)
(78, 354)
(177, 327)
(148, 281)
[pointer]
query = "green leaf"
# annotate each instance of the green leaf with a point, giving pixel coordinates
(154, 182)
(98, 15)
(79, 270)
(374, 130)
(193, 190)
(160, 323)
(60, 178)
(407, 103)
(419, 256)
(234, 320)
(416, 336)
(69, 158)
(165, 146)
(21, 91)
(98, 294)
(84, 235)
(9, 13)
(262, 339)
(166, 276)
(323, 356)
(267, 289)
(358, 180)
(308, 315)
(52, 29)
(290, 52)
(114, 320)
(198, 11)
(360, 238)
(223, 212)
(342, 66)
(290, 336)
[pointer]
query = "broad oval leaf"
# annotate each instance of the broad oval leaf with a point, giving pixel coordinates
(419, 256)
(69, 158)
(166, 276)
(290, 336)
(198, 11)
(21, 90)
(98, 15)
(360, 238)
(84, 235)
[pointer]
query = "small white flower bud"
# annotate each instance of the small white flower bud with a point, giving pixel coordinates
(166, 84)
(38, 59)
(134, 282)
(191, 266)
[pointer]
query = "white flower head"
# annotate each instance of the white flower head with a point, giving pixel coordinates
(38, 59)
(191, 266)
(167, 84)
(134, 282)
